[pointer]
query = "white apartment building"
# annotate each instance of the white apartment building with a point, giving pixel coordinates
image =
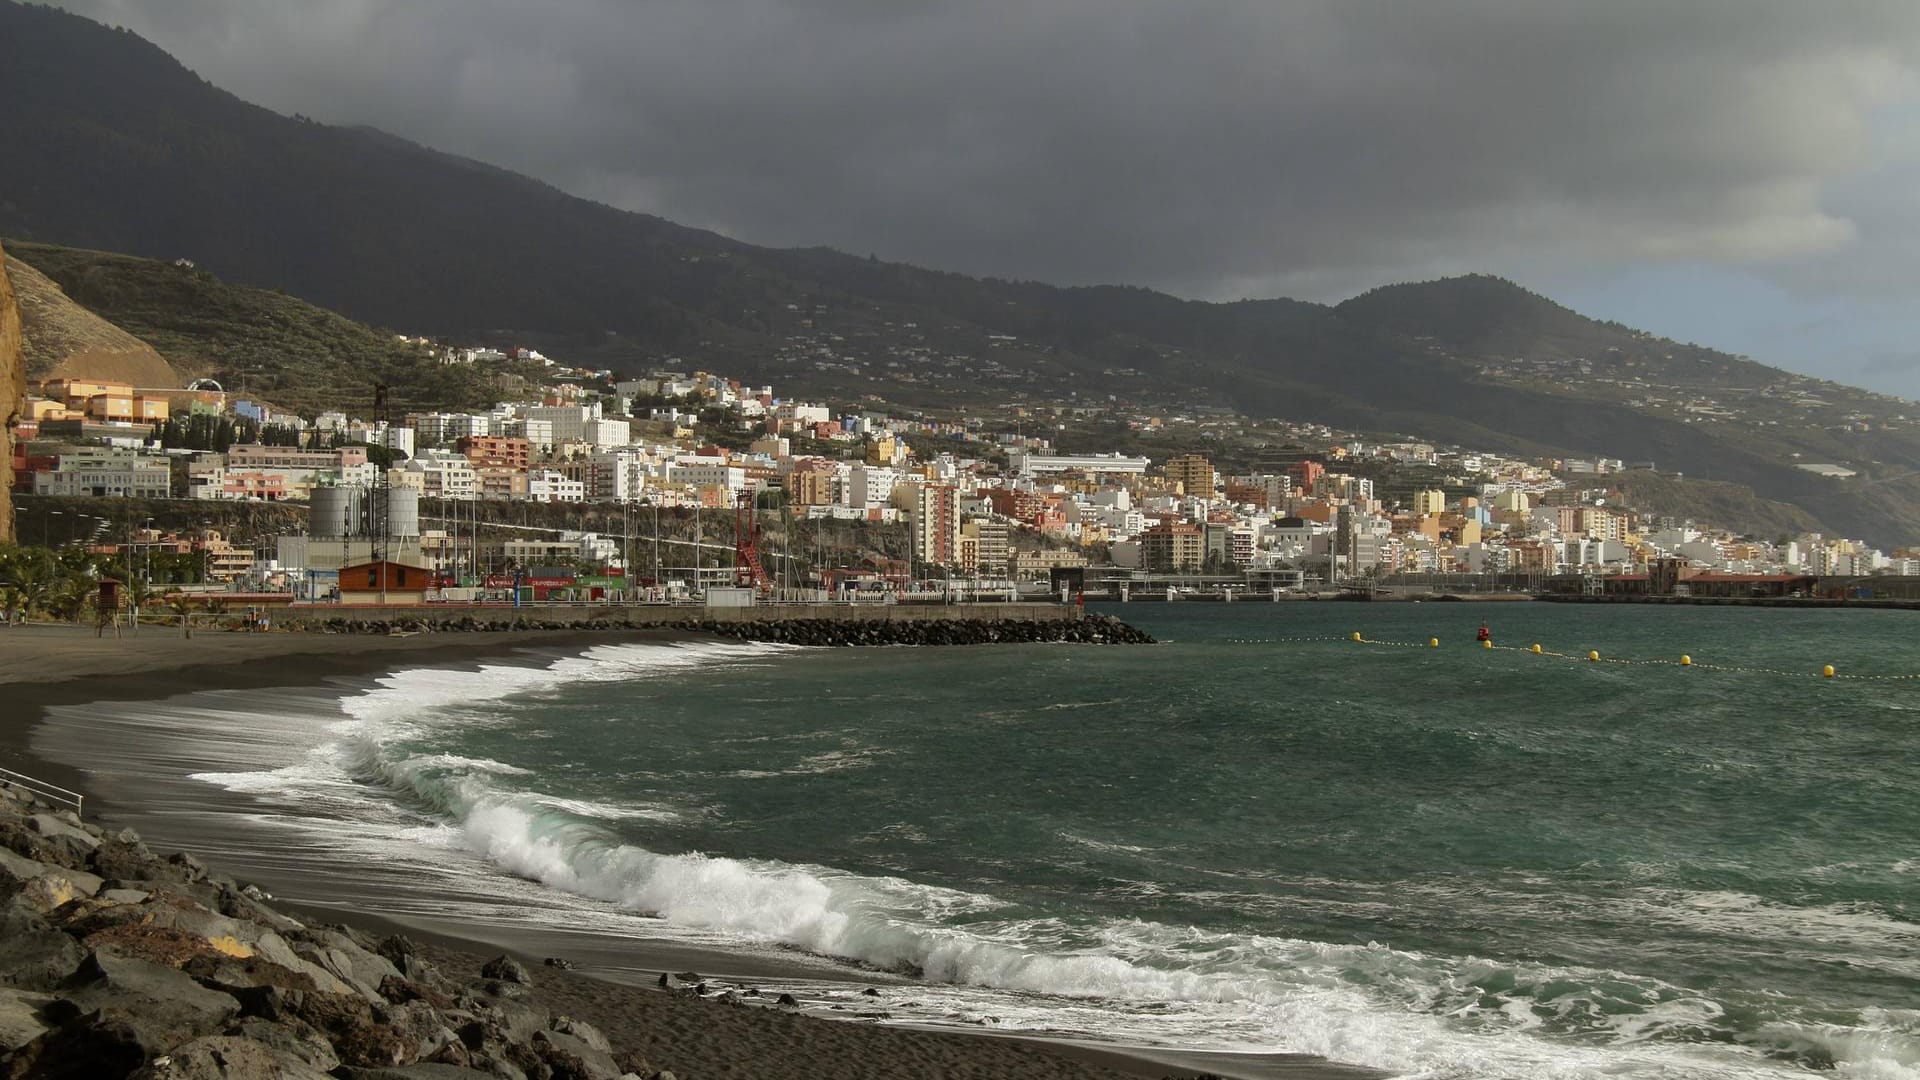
(870, 486)
(613, 475)
(445, 476)
(401, 439)
(440, 429)
(105, 472)
(581, 423)
(538, 433)
(1024, 464)
(546, 485)
(803, 414)
(700, 474)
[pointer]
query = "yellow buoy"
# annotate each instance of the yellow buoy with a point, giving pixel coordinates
(1594, 654)
(1433, 643)
(1827, 671)
(1486, 643)
(1685, 660)
(1356, 635)
(1536, 648)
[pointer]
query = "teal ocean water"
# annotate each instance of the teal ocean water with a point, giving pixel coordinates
(1447, 862)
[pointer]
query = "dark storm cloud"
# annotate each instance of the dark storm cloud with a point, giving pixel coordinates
(1216, 148)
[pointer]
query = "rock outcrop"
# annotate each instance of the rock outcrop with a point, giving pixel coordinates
(117, 963)
(60, 339)
(13, 391)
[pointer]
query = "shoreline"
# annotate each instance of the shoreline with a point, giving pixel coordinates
(53, 666)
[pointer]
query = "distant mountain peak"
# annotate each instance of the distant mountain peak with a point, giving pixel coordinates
(1467, 309)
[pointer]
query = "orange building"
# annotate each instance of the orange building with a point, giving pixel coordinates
(384, 582)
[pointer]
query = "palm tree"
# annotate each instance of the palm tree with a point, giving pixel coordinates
(180, 604)
(71, 595)
(27, 585)
(139, 595)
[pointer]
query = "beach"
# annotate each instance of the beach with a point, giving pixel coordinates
(612, 984)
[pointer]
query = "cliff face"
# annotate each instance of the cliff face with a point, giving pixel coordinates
(59, 339)
(13, 390)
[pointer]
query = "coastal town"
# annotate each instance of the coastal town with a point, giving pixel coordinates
(986, 502)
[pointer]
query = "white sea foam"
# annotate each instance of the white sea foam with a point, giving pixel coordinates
(829, 761)
(1370, 1004)
(1414, 1014)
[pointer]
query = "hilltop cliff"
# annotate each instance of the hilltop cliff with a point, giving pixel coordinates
(12, 392)
(59, 339)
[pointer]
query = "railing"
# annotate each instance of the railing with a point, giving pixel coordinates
(49, 792)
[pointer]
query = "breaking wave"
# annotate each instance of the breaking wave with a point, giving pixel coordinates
(1404, 1011)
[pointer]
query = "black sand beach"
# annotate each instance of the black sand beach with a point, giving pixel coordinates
(613, 982)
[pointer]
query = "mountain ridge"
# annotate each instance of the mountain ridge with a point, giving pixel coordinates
(115, 145)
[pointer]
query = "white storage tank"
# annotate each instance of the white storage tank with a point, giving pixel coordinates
(336, 512)
(403, 512)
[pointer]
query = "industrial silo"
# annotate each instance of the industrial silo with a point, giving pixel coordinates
(338, 512)
(403, 512)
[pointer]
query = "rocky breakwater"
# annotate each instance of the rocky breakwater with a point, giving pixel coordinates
(115, 962)
(1090, 630)
(1087, 630)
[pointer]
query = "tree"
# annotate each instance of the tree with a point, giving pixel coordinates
(27, 573)
(140, 594)
(71, 596)
(181, 605)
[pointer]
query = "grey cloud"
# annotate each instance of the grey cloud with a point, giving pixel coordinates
(1892, 363)
(1308, 147)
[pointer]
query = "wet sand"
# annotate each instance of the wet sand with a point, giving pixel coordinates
(613, 983)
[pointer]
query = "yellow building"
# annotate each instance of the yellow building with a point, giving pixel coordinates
(1192, 474)
(1029, 565)
(43, 409)
(111, 402)
(811, 483)
(1429, 502)
(968, 559)
(1512, 501)
(883, 450)
(77, 392)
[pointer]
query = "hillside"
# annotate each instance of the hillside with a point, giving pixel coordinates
(62, 340)
(1728, 506)
(112, 144)
(255, 342)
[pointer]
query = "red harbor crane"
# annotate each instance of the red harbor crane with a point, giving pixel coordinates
(747, 571)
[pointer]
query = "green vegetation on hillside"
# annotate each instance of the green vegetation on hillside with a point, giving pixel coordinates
(256, 342)
(1728, 506)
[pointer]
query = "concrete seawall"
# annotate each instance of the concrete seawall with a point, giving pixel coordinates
(1743, 601)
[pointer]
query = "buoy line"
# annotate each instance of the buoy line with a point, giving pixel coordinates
(1591, 656)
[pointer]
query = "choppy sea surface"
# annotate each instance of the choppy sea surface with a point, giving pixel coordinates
(1442, 862)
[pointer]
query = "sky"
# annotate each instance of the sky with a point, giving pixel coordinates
(1743, 174)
